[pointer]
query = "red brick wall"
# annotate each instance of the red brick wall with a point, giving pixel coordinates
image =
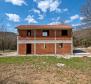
(66, 49)
(50, 49)
(32, 48)
(22, 49)
(23, 34)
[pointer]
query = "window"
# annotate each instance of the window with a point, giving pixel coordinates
(44, 45)
(64, 32)
(29, 33)
(61, 45)
(45, 33)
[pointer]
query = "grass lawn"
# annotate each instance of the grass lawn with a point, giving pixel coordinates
(44, 70)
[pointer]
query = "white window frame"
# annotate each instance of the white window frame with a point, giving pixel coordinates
(45, 33)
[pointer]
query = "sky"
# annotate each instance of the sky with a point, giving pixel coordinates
(40, 12)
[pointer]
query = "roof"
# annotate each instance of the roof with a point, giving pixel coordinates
(59, 26)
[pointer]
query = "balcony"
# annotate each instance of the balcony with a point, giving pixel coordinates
(45, 38)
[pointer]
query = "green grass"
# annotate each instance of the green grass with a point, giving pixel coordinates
(75, 71)
(78, 63)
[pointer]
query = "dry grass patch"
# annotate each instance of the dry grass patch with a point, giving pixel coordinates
(44, 70)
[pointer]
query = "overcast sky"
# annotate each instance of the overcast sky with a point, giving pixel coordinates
(17, 12)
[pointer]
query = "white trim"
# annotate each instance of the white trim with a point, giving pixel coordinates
(72, 47)
(43, 41)
(55, 44)
(34, 42)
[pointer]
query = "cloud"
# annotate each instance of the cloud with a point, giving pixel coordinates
(78, 24)
(56, 19)
(43, 5)
(74, 25)
(30, 19)
(51, 5)
(82, 18)
(13, 17)
(53, 23)
(41, 17)
(17, 2)
(74, 17)
(67, 21)
(36, 11)
(62, 10)
(54, 5)
(65, 10)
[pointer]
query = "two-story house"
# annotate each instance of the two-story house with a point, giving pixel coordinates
(44, 39)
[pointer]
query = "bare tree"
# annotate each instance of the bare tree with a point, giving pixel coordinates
(3, 30)
(86, 12)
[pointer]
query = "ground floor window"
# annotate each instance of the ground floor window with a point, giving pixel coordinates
(61, 45)
(44, 45)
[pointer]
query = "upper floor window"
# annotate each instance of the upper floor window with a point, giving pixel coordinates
(45, 33)
(28, 32)
(64, 32)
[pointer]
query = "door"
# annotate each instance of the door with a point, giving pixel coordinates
(28, 50)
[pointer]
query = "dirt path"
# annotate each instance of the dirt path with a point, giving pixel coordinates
(8, 54)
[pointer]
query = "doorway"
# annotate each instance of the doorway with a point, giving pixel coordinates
(28, 49)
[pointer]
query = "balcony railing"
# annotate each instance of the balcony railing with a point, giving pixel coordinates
(44, 38)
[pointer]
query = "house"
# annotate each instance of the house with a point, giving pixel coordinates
(44, 39)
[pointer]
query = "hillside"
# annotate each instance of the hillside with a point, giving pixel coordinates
(8, 40)
(8, 34)
(83, 33)
(82, 36)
